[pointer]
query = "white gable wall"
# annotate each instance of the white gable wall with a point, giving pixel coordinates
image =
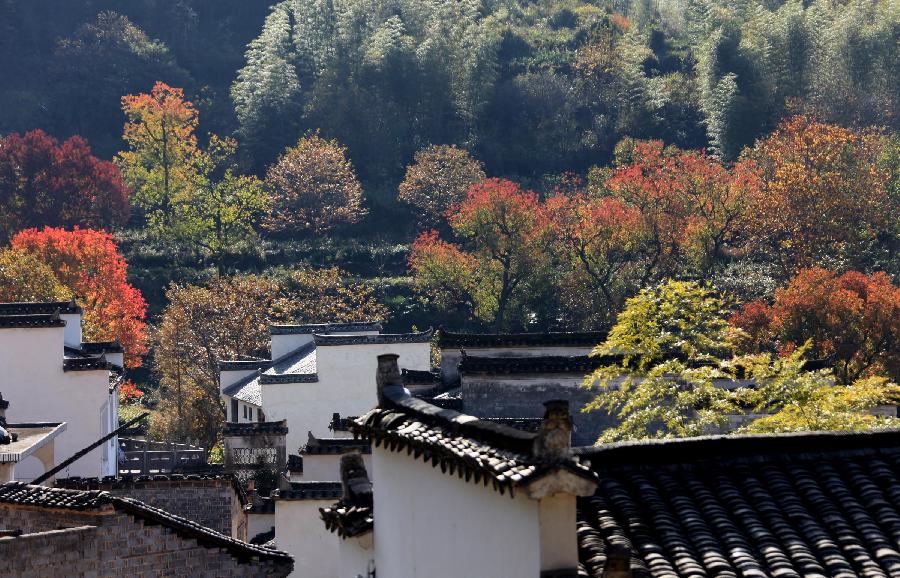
(33, 380)
(299, 531)
(441, 526)
(327, 467)
(345, 386)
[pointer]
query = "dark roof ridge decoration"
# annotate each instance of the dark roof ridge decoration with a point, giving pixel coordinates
(39, 307)
(87, 364)
(381, 338)
(535, 364)
(19, 493)
(244, 364)
(472, 448)
(269, 379)
(310, 491)
(453, 340)
(323, 328)
(333, 446)
(102, 347)
(255, 428)
(752, 447)
(353, 514)
(4, 403)
(32, 320)
(418, 376)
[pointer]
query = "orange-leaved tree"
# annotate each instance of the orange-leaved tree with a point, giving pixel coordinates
(500, 261)
(851, 319)
(87, 262)
(692, 206)
(439, 180)
(824, 193)
(602, 241)
(45, 182)
(162, 156)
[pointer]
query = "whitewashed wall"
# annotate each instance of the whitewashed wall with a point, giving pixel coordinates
(33, 380)
(432, 524)
(299, 530)
(326, 467)
(356, 556)
(346, 385)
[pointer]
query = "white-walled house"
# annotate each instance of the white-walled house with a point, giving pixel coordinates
(457, 496)
(316, 370)
(49, 375)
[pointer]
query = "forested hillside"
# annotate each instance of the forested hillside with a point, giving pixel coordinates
(501, 165)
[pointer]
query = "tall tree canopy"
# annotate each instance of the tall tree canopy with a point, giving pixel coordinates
(673, 372)
(825, 194)
(501, 262)
(88, 264)
(161, 160)
(47, 183)
(438, 180)
(314, 188)
(853, 321)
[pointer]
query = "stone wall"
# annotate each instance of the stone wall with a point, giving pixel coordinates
(111, 545)
(212, 502)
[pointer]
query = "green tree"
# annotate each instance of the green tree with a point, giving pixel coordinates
(676, 375)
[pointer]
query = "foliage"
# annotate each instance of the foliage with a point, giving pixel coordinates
(674, 375)
(225, 206)
(500, 263)
(87, 263)
(438, 181)
(691, 206)
(328, 296)
(229, 319)
(161, 163)
(314, 188)
(45, 183)
(824, 193)
(129, 393)
(601, 240)
(25, 277)
(200, 326)
(852, 320)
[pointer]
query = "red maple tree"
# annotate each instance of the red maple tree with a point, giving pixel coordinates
(852, 319)
(88, 262)
(45, 183)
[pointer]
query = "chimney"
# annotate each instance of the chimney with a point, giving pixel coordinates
(3, 405)
(5, 436)
(618, 561)
(355, 480)
(387, 375)
(554, 439)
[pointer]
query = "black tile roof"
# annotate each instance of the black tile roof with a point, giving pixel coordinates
(86, 364)
(348, 520)
(246, 389)
(472, 448)
(294, 464)
(255, 428)
(103, 347)
(813, 504)
(298, 366)
(334, 446)
(323, 328)
(39, 308)
(471, 364)
(130, 481)
(244, 364)
(418, 377)
(310, 491)
(450, 340)
(31, 320)
(386, 338)
(531, 424)
(17, 493)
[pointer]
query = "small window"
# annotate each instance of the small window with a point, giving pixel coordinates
(251, 414)
(234, 410)
(245, 411)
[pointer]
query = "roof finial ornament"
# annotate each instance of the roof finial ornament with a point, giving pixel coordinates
(554, 439)
(387, 374)
(355, 480)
